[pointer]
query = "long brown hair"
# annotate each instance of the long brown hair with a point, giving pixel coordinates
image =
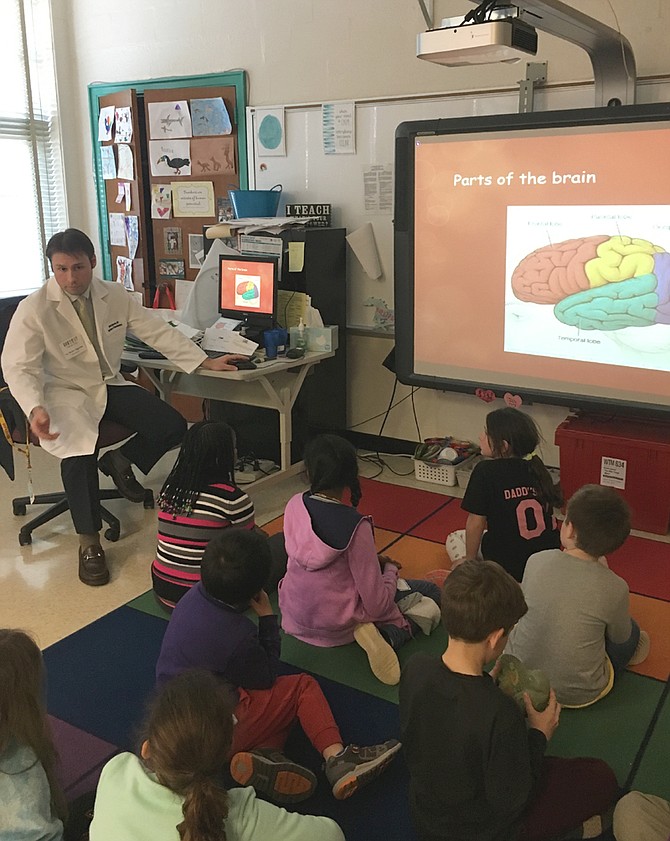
(189, 728)
(513, 434)
(22, 712)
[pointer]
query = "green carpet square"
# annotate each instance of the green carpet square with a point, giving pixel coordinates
(348, 664)
(611, 729)
(147, 603)
(653, 775)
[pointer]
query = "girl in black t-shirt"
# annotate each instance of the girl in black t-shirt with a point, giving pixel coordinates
(510, 497)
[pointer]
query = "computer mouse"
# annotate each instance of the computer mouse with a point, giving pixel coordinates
(243, 364)
(295, 353)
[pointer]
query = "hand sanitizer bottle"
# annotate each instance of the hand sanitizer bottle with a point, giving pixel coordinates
(301, 339)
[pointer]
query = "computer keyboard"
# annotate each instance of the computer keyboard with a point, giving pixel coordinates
(155, 354)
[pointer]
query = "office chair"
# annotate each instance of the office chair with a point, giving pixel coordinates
(111, 433)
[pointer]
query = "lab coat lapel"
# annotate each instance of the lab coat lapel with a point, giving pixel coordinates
(63, 305)
(100, 303)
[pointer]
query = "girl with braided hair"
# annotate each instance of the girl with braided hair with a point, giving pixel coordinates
(176, 792)
(337, 589)
(198, 499)
(510, 497)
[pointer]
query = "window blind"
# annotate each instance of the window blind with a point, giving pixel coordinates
(32, 191)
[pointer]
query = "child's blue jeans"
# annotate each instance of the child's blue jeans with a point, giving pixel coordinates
(397, 637)
(621, 652)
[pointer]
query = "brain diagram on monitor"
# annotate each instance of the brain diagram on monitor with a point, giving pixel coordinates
(248, 291)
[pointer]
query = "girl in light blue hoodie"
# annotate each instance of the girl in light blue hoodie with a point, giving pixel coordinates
(31, 802)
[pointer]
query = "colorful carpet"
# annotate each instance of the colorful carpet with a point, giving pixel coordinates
(100, 677)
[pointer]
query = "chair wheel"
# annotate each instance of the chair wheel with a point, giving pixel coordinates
(18, 509)
(112, 534)
(25, 539)
(148, 499)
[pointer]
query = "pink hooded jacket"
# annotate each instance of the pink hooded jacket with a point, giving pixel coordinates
(326, 592)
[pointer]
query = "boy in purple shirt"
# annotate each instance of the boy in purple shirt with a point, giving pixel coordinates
(208, 630)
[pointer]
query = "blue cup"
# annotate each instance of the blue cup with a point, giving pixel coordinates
(275, 342)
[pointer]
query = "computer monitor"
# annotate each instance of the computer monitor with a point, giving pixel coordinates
(248, 289)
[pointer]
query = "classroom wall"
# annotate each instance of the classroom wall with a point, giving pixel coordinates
(311, 51)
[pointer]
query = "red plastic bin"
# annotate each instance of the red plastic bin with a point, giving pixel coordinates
(640, 471)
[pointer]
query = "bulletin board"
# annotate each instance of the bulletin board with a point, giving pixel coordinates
(124, 194)
(354, 184)
(231, 86)
(200, 165)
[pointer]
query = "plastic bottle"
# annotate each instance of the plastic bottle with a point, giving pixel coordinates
(301, 339)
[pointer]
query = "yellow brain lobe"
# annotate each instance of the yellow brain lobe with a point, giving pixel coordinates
(621, 258)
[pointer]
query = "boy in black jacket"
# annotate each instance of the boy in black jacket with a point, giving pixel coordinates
(477, 770)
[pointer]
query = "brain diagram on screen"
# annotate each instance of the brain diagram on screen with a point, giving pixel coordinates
(247, 292)
(598, 282)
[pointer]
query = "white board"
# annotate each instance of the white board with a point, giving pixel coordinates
(307, 175)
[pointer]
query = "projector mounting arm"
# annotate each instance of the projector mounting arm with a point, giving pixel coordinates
(610, 52)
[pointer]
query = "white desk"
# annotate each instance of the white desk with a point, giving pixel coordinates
(272, 385)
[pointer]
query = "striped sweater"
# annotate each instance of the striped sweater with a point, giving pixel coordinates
(182, 538)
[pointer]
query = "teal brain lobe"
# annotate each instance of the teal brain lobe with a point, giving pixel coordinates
(630, 303)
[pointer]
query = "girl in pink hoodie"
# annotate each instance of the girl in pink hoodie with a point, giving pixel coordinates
(337, 589)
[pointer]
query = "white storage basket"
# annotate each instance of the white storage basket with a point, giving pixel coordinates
(464, 470)
(436, 474)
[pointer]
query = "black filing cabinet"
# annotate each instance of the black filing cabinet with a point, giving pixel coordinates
(322, 403)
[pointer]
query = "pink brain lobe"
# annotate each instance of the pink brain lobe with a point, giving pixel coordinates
(553, 272)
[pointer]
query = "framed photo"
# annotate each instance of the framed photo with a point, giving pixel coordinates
(224, 209)
(196, 250)
(172, 243)
(173, 269)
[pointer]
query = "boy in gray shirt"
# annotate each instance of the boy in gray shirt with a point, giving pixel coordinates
(578, 629)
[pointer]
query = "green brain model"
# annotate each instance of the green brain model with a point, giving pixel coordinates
(514, 679)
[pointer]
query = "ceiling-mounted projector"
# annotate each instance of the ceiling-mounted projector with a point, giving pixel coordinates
(506, 40)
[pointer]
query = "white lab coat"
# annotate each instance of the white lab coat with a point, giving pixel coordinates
(48, 360)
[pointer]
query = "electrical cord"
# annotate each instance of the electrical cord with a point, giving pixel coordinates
(480, 14)
(287, 306)
(375, 457)
(623, 51)
(374, 417)
(416, 420)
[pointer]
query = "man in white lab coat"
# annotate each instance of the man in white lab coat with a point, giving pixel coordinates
(61, 361)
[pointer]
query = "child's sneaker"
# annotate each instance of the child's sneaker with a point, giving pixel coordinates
(356, 766)
(383, 659)
(642, 651)
(273, 774)
(455, 546)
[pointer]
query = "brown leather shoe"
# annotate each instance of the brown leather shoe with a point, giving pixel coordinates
(93, 566)
(123, 477)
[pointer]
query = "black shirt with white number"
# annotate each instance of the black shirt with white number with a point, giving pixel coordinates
(504, 491)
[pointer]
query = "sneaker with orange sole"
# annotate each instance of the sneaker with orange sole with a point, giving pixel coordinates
(355, 766)
(273, 774)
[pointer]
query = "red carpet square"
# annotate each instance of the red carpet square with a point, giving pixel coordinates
(396, 507)
(449, 518)
(645, 565)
